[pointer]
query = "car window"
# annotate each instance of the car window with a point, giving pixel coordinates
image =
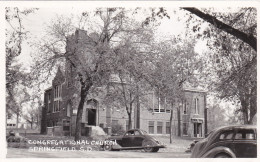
(130, 133)
(245, 134)
(143, 132)
(137, 133)
(226, 135)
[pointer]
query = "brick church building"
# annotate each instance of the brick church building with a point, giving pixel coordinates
(61, 102)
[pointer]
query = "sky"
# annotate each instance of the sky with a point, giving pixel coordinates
(36, 25)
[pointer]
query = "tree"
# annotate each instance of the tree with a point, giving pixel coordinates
(245, 36)
(234, 50)
(16, 77)
(231, 61)
(172, 65)
(32, 116)
(92, 56)
(217, 115)
(131, 88)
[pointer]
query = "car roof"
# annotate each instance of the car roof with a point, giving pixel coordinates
(235, 127)
(133, 129)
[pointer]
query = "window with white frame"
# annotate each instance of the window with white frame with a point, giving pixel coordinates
(160, 104)
(57, 98)
(49, 103)
(196, 106)
(68, 109)
(151, 127)
(159, 127)
(184, 107)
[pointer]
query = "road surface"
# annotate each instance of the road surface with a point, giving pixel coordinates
(25, 153)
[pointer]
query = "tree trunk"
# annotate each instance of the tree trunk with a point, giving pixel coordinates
(43, 121)
(179, 121)
(253, 107)
(17, 118)
(129, 120)
(171, 123)
(137, 109)
(244, 110)
(83, 95)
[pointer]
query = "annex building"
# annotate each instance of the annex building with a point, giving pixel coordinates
(61, 101)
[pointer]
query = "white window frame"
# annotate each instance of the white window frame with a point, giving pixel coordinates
(57, 98)
(160, 109)
(196, 106)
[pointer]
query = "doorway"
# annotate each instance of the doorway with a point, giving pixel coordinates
(91, 116)
(197, 130)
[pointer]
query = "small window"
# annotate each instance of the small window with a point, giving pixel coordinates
(226, 135)
(66, 125)
(196, 106)
(185, 107)
(9, 116)
(68, 110)
(151, 127)
(137, 133)
(159, 127)
(130, 133)
(245, 134)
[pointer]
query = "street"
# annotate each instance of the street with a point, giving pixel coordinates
(25, 153)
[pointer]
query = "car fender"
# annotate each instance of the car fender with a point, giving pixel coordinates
(217, 150)
(150, 141)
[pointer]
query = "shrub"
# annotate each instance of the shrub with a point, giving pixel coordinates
(117, 129)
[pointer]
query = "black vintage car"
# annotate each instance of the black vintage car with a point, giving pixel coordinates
(133, 139)
(228, 142)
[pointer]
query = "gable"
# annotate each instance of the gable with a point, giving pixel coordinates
(59, 78)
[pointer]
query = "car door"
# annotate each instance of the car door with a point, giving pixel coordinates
(128, 139)
(138, 139)
(226, 139)
(245, 143)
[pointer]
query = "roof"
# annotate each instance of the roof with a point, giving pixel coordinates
(235, 126)
(48, 88)
(194, 90)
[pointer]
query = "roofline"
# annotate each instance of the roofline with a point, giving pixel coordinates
(194, 90)
(235, 126)
(48, 88)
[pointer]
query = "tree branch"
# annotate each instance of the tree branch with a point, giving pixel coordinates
(249, 39)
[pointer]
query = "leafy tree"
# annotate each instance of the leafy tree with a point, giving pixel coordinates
(16, 77)
(131, 87)
(172, 66)
(93, 56)
(232, 61)
(233, 20)
(217, 115)
(32, 116)
(232, 39)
